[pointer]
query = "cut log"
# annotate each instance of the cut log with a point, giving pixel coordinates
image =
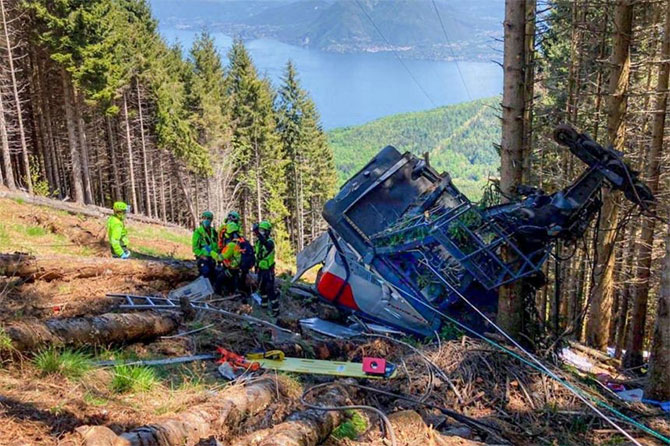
(106, 329)
(305, 428)
(58, 268)
(411, 430)
(188, 428)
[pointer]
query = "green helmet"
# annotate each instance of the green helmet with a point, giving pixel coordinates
(207, 215)
(232, 227)
(233, 216)
(120, 206)
(265, 225)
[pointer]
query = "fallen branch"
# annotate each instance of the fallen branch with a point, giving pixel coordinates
(106, 329)
(188, 428)
(57, 268)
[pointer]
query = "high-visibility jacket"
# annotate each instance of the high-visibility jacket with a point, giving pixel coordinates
(265, 253)
(117, 235)
(204, 242)
(231, 254)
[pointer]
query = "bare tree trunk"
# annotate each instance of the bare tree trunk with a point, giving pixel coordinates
(39, 110)
(145, 164)
(173, 215)
(129, 143)
(621, 317)
(511, 301)
(259, 195)
(599, 318)
(83, 149)
(116, 185)
(56, 268)
(305, 428)
(77, 185)
(658, 384)
(97, 330)
(187, 195)
(162, 190)
(195, 425)
(529, 86)
(17, 100)
(46, 102)
(633, 356)
(4, 141)
(154, 198)
(600, 76)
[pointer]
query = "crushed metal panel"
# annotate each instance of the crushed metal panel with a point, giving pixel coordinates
(328, 328)
(199, 289)
(312, 255)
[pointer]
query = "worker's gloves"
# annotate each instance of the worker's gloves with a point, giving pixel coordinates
(125, 255)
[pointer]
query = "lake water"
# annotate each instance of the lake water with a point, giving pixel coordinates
(351, 89)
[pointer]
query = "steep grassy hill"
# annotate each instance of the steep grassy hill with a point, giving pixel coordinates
(459, 138)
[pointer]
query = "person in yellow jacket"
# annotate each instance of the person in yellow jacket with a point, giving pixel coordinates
(231, 257)
(264, 250)
(116, 231)
(205, 248)
(233, 216)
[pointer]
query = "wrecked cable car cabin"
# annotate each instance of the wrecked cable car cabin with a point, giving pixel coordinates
(405, 248)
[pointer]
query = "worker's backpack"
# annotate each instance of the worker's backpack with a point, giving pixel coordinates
(248, 259)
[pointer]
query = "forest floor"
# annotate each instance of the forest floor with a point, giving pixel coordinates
(46, 396)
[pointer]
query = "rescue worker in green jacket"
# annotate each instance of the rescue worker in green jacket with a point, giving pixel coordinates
(233, 216)
(116, 231)
(205, 248)
(264, 249)
(231, 257)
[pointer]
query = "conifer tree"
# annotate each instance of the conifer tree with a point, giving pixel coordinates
(311, 174)
(258, 152)
(208, 101)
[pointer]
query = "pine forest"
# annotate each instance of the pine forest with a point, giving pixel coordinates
(97, 108)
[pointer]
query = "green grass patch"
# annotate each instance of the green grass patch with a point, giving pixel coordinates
(176, 238)
(149, 251)
(94, 400)
(133, 379)
(115, 354)
(5, 341)
(36, 231)
(4, 235)
(58, 409)
(19, 200)
(352, 428)
(450, 332)
(67, 363)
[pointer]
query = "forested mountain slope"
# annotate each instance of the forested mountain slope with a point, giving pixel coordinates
(95, 107)
(459, 138)
(415, 28)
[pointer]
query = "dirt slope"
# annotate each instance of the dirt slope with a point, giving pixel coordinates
(45, 397)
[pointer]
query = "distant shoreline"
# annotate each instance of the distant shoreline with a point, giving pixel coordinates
(433, 53)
